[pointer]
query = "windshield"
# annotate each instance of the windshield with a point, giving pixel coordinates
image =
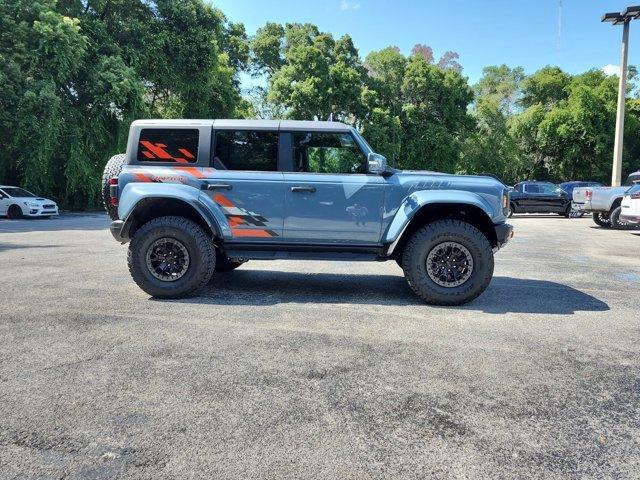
(362, 142)
(632, 179)
(17, 192)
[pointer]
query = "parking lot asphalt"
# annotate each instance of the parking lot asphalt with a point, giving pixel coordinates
(290, 369)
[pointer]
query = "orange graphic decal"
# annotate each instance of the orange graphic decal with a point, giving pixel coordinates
(186, 153)
(156, 150)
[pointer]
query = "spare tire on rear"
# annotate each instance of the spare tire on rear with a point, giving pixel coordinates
(111, 169)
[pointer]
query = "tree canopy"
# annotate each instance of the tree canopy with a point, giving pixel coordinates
(75, 73)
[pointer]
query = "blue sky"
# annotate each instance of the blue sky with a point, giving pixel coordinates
(518, 32)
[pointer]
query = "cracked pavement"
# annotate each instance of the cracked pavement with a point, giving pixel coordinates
(290, 369)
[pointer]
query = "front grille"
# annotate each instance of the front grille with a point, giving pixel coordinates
(48, 207)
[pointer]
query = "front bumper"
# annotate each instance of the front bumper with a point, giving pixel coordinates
(504, 233)
(40, 212)
(634, 219)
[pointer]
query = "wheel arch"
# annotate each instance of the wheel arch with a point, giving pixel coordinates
(149, 208)
(18, 206)
(431, 212)
(141, 202)
(615, 204)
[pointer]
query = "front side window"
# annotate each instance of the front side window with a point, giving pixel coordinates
(246, 150)
(171, 145)
(327, 153)
(532, 188)
(548, 189)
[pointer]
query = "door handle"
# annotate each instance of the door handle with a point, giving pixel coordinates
(217, 186)
(303, 189)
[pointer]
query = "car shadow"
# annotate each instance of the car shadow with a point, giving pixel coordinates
(504, 295)
(65, 221)
(17, 246)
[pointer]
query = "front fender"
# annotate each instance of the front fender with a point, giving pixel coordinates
(133, 193)
(417, 200)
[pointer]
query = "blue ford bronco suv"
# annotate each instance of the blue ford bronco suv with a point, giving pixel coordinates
(195, 198)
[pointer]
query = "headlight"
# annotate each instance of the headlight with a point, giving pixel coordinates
(32, 205)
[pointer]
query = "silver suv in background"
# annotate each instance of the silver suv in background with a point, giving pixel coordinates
(604, 203)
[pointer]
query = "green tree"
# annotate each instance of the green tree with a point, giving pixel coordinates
(75, 73)
(435, 116)
(309, 74)
(547, 87)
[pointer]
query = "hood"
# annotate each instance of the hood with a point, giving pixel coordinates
(38, 200)
(479, 180)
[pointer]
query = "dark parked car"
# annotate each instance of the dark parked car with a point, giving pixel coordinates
(540, 197)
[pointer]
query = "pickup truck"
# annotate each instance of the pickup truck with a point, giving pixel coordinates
(196, 198)
(604, 203)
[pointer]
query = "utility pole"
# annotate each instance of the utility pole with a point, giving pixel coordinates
(624, 19)
(616, 173)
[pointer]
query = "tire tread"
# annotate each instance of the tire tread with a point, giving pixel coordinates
(417, 280)
(203, 243)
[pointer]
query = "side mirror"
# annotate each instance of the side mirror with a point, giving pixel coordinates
(376, 163)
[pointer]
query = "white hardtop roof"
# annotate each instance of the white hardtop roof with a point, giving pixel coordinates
(285, 125)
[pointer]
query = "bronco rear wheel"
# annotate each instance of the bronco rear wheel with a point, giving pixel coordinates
(448, 262)
(170, 257)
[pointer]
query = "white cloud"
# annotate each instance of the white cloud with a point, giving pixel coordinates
(347, 5)
(611, 69)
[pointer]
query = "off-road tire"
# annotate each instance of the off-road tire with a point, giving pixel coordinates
(602, 221)
(425, 239)
(224, 263)
(616, 223)
(14, 212)
(111, 169)
(202, 256)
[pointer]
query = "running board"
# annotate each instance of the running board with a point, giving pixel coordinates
(301, 255)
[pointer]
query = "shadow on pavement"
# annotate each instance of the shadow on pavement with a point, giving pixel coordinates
(88, 221)
(16, 246)
(505, 294)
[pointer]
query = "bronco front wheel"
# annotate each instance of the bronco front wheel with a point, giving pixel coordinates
(448, 262)
(170, 257)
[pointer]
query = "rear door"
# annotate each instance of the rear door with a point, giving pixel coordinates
(245, 182)
(329, 197)
(530, 200)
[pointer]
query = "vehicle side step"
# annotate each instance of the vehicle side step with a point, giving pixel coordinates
(301, 255)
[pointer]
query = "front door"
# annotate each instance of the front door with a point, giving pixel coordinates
(246, 184)
(329, 198)
(4, 203)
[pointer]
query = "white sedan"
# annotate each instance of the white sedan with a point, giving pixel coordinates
(16, 202)
(630, 212)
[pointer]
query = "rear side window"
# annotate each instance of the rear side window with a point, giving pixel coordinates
(169, 145)
(246, 150)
